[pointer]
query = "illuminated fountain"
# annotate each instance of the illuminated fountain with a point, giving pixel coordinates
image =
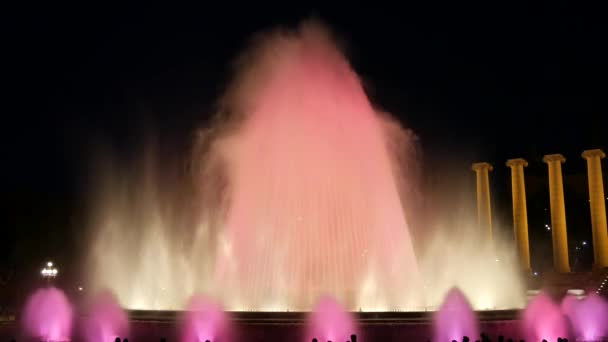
(106, 320)
(205, 321)
(47, 316)
(455, 318)
(301, 188)
(588, 317)
(543, 319)
(330, 322)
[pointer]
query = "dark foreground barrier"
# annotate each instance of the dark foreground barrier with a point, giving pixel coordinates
(281, 327)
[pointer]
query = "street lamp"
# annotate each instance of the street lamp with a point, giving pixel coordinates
(49, 272)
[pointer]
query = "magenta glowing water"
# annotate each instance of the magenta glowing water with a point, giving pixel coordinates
(315, 208)
(205, 320)
(329, 322)
(106, 320)
(588, 317)
(48, 315)
(543, 319)
(455, 318)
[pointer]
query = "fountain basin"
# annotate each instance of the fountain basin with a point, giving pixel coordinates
(148, 325)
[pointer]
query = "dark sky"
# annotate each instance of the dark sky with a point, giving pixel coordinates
(475, 82)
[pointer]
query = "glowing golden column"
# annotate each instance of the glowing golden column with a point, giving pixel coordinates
(484, 209)
(520, 212)
(558, 212)
(598, 207)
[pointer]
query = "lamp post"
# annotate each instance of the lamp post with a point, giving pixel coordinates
(49, 272)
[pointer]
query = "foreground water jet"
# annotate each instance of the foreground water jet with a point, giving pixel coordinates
(205, 321)
(106, 320)
(543, 319)
(455, 318)
(47, 315)
(329, 321)
(588, 317)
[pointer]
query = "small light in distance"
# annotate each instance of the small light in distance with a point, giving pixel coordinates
(49, 264)
(535, 274)
(80, 288)
(584, 243)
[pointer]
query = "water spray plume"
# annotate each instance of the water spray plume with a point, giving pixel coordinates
(205, 320)
(48, 315)
(588, 317)
(543, 319)
(315, 207)
(329, 321)
(106, 320)
(455, 318)
(301, 189)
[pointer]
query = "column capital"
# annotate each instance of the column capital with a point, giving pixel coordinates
(554, 157)
(482, 166)
(588, 154)
(516, 162)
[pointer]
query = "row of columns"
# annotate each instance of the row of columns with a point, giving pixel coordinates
(558, 210)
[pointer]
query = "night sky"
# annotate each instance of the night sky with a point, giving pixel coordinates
(475, 82)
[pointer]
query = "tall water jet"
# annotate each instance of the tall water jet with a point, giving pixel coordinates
(205, 320)
(47, 315)
(455, 318)
(314, 206)
(543, 319)
(106, 320)
(588, 317)
(329, 322)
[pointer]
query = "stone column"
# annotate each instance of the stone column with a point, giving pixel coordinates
(484, 208)
(520, 212)
(598, 207)
(558, 212)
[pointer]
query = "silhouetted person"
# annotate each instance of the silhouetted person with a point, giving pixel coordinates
(501, 338)
(314, 340)
(125, 340)
(544, 340)
(117, 339)
(465, 339)
(353, 338)
(162, 339)
(484, 338)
